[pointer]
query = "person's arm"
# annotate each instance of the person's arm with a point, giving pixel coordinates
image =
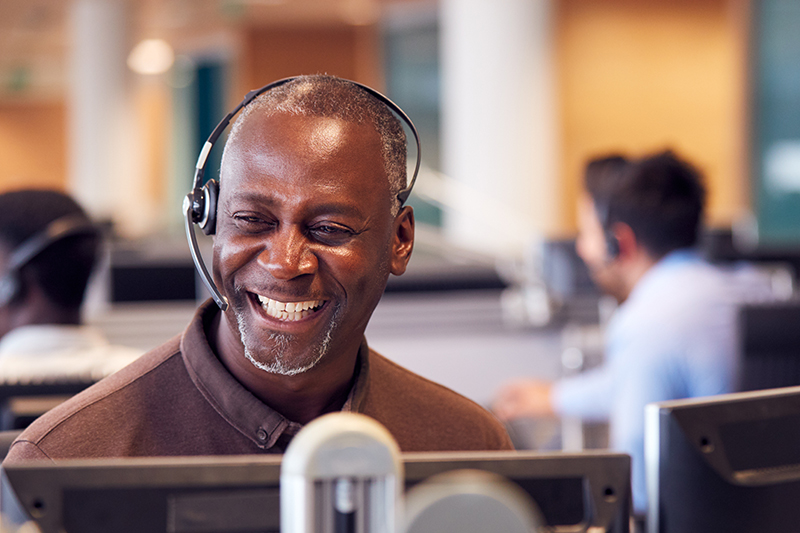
(585, 395)
(523, 399)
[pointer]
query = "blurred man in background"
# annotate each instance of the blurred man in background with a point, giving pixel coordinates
(673, 335)
(48, 249)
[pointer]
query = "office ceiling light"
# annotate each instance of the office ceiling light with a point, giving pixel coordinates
(151, 56)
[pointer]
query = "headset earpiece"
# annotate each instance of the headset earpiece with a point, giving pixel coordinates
(602, 210)
(612, 245)
(203, 203)
(208, 222)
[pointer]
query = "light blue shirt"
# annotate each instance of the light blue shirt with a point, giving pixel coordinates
(674, 337)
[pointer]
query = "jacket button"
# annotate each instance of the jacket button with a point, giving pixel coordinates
(262, 435)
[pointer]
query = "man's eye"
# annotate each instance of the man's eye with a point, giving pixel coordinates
(247, 219)
(250, 222)
(329, 232)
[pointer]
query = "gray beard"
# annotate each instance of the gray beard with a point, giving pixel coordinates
(275, 362)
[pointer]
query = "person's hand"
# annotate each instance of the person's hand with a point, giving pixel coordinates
(523, 399)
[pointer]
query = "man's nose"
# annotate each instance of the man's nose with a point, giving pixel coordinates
(288, 254)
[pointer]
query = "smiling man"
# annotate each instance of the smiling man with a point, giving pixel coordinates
(308, 229)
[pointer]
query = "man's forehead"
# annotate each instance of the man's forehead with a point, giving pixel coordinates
(263, 118)
(318, 155)
(321, 134)
(319, 201)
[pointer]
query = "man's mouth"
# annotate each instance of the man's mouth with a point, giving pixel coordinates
(289, 311)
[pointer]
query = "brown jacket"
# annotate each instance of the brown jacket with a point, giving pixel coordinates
(179, 400)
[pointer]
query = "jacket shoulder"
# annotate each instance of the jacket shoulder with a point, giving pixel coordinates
(426, 416)
(79, 416)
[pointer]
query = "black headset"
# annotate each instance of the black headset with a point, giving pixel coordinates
(612, 242)
(200, 205)
(58, 229)
(612, 245)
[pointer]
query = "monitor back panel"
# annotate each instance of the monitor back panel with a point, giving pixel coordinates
(769, 345)
(242, 494)
(729, 464)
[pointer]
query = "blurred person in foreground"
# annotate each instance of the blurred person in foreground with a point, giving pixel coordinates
(48, 250)
(673, 335)
(309, 226)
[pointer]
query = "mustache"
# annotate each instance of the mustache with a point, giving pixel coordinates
(279, 293)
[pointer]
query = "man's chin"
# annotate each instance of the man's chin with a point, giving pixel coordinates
(280, 368)
(279, 353)
(279, 362)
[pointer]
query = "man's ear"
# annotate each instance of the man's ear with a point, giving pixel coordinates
(626, 239)
(402, 240)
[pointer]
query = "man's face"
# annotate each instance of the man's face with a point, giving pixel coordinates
(592, 247)
(305, 240)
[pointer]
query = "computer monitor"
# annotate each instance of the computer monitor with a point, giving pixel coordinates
(22, 401)
(728, 463)
(153, 282)
(769, 345)
(574, 492)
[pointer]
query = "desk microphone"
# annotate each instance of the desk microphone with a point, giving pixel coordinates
(470, 501)
(342, 473)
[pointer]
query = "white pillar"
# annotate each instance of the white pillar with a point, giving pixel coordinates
(103, 142)
(498, 122)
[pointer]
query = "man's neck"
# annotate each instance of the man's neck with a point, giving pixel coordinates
(635, 270)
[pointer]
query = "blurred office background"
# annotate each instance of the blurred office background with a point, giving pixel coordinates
(111, 100)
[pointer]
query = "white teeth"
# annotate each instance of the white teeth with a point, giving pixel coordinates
(289, 311)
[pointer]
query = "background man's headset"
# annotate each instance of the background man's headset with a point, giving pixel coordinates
(612, 243)
(200, 205)
(60, 228)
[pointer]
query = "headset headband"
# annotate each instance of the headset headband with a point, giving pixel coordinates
(58, 229)
(200, 167)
